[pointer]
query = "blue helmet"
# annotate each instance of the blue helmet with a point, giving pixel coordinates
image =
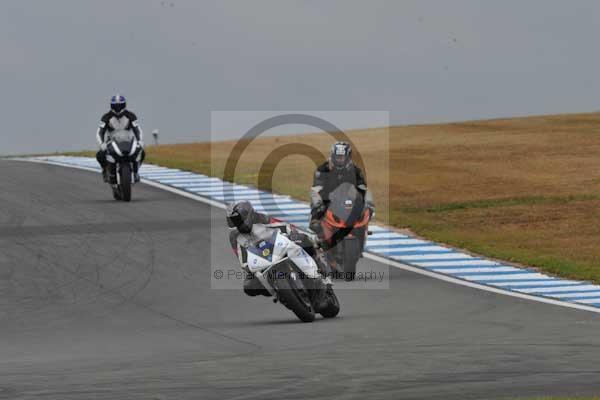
(118, 103)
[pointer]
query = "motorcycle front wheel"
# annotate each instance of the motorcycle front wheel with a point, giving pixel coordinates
(125, 185)
(333, 306)
(295, 298)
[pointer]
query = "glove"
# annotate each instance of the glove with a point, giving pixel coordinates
(141, 144)
(371, 211)
(318, 211)
(103, 146)
(295, 236)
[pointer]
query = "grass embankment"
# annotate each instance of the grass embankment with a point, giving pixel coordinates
(525, 190)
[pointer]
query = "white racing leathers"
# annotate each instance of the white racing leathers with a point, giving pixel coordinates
(282, 247)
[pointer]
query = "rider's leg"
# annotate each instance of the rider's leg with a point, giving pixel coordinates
(318, 284)
(318, 255)
(136, 166)
(101, 158)
(253, 287)
(112, 172)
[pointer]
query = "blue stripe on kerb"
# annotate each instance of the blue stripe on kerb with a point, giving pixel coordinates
(384, 242)
(494, 273)
(416, 259)
(465, 267)
(398, 246)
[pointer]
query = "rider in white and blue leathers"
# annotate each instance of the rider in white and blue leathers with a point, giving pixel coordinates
(250, 227)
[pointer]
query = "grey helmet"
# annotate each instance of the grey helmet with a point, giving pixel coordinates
(340, 155)
(240, 215)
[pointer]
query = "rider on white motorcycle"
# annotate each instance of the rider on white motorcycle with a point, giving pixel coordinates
(249, 227)
(118, 118)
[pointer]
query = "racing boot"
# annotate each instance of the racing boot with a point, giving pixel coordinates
(112, 174)
(105, 174)
(136, 175)
(322, 264)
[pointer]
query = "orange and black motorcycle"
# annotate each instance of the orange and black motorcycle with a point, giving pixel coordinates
(345, 229)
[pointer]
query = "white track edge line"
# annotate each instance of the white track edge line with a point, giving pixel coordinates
(383, 260)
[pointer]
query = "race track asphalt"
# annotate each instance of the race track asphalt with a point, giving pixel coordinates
(108, 300)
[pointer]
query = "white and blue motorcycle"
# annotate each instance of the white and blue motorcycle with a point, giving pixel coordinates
(287, 272)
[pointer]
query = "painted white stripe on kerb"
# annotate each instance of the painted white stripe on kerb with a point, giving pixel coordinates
(191, 183)
(220, 193)
(194, 181)
(195, 186)
(409, 249)
(164, 176)
(451, 256)
(390, 242)
(288, 212)
(376, 228)
(489, 278)
(387, 235)
(558, 289)
(238, 197)
(282, 207)
(485, 269)
(177, 175)
(147, 167)
(169, 174)
(456, 263)
(576, 295)
(276, 202)
(218, 190)
(213, 184)
(589, 301)
(542, 282)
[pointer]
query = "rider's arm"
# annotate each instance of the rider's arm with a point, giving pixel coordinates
(260, 218)
(238, 250)
(233, 241)
(361, 184)
(101, 132)
(317, 203)
(360, 177)
(103, 128)
(136, 128)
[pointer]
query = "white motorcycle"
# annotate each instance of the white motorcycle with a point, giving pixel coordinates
(123, 150)
(285, 270)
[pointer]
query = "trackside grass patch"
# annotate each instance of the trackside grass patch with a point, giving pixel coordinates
(526, 190)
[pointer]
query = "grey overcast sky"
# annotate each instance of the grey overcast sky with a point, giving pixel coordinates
(176, 61)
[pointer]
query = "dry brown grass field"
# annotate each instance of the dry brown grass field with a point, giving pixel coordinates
(525, 190)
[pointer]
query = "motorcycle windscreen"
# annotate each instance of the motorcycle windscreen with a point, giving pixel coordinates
(347, 203)
(124, 140)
